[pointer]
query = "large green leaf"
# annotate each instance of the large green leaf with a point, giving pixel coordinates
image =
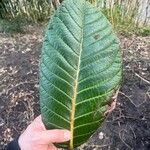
(80, 69)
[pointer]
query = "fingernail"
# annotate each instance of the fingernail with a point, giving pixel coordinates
(67, 135)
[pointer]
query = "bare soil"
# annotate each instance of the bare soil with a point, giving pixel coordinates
(126, 128)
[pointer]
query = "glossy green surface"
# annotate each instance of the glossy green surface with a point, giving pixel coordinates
(81, 67)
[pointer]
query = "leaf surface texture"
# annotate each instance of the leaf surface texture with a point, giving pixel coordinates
(80, 69)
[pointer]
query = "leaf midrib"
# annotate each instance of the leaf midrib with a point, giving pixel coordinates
(75, 89)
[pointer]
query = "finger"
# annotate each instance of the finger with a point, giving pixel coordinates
(51, 147)
(54, 136)
(38, 124)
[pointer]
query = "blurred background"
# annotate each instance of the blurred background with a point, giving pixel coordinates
(22, 28)
(125, 15)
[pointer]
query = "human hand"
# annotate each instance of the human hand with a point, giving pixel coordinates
(36, 137)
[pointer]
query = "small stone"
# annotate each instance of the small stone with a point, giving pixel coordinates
(101, 135)
(8, 130)
(11, 139)
(2, 122)
(36, 86)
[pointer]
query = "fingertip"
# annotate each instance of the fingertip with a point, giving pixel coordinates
(55, 136)
(67, 135)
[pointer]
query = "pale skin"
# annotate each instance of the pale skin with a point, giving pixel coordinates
(36, 137)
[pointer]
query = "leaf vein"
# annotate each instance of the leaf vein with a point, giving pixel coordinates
(64, 119)
(107, 67)
(84, 115)
(69, 31)
(99, 83)
(56, 75)
(90, 123)
(80, 135)
(106, 35)
(60, 90)
(98, 96)
(94, 21)
(98, 51)
(55, 99)
(57, 126)
(73, 18)
(62, 58)
(97, 31)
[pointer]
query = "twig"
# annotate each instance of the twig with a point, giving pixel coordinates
(128, 46)
(127, 98)
(133, 132)
(148, 93)
(123, 139)
(126, 117)
(142, 78)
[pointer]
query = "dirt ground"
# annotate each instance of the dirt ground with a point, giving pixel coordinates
(126, 128)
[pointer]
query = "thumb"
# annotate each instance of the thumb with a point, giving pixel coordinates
(54, 136)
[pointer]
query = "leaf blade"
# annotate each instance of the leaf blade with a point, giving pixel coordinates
(84, 69)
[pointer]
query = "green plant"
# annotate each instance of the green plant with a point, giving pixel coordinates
(80, 70)
(31, 10)
(12, 26)
(143, 31)
(122, 15)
